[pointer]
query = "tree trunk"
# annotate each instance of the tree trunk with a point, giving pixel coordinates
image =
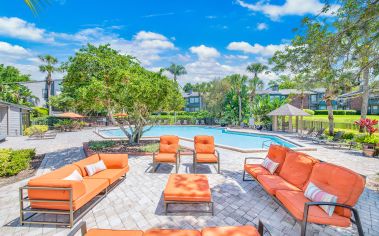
(365, 95)
(329, 106)
(302, 101)
(239, 109)
(49, 81)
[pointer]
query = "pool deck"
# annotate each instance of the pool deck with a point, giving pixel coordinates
(300, 146)
(137, 202)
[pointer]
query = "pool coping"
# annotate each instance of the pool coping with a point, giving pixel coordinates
(300, 147)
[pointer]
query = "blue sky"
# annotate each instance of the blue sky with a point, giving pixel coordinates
(210, 38)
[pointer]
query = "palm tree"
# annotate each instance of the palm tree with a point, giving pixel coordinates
(35, 4)
(253, 85)
(257, 68)
(48, 67)
(176, 70)
(237, 83)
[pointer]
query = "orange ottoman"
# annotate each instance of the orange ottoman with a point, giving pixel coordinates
(188, 189)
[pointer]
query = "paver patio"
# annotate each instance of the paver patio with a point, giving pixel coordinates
(137, 202)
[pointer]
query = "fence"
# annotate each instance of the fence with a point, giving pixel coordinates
(325, 124)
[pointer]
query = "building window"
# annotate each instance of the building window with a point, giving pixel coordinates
(313, 98)
(194, 100)
(374, 110)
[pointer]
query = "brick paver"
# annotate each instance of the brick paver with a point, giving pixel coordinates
(137, 203)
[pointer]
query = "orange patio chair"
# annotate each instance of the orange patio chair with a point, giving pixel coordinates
(168, 152)
(205, 152)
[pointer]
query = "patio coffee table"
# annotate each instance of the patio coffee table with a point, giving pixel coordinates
(188, 189)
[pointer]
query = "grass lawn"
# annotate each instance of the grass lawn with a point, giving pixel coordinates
(339, 118)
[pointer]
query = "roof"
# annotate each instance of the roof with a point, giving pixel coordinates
(281, 92)
(191, 94)
(288, 110)
(15, 105)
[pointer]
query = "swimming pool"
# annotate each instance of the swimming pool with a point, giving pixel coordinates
(223, 136)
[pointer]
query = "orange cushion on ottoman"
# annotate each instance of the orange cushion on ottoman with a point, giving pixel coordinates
(187, 187)
(245, 230)
(172, 232)
(110, 232)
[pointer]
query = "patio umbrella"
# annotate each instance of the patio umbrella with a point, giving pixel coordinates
(70, 115)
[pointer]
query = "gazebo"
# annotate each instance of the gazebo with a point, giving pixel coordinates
(290, 111)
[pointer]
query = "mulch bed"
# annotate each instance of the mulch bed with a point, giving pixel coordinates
(131, 149)
(34, 165)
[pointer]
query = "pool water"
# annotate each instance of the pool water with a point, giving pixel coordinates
(222, 136)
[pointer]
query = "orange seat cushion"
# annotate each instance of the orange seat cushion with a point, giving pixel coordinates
(114, 161)
(168, 144)
(92, 187)
(204, 144)
(277, 153)
(245, 230)
(112, 175)
(87, 161)
(172, 232)
(294, 202)
(60, 173)
(206, 158)
(272, 183)
(339, 181)
(187, 187)
(165, 157)
(110, 232)
(256, 170)
(297, 168)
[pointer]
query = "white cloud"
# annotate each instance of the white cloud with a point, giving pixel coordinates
(265, 51)
(262, 26)
(204, 52)
(17, 28)
(12, 51)
(236, 57)
(290, 7)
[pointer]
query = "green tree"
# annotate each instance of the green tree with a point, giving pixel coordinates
(253, 85)
(357, 43)
(238, 86)
(100, 79)
(11, 90)
(176, 70)
(50, 68)
(214, 99)
(188, 87)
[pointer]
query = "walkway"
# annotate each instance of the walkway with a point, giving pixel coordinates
(137, 202)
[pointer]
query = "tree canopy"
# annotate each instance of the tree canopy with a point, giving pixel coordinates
(102, 79)
(11, 90)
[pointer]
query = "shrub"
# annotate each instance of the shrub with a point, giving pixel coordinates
(348, 135)
(372, 139)
(47, 120)
(36, 130)
(310, 112)
(100, 145)
(40, 112)
(13, 162)
(336, 112)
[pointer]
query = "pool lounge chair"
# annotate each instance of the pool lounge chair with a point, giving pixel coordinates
(244, 230)
(308, 133)
(168, 152)
(336, 139)
(318, 136)
(205, 152)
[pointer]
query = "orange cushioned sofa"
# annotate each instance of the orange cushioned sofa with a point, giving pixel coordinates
(290, 180)
(205, 152)
(168, 152)
(245, 230)
(51, 194)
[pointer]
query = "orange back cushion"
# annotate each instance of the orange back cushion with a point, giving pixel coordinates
(339, 181)
(278, 154)
(204, 144)
(87, 161)
(60, 173)
(297, 168)
(168, 144)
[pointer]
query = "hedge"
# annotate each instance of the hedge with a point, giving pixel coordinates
(13, 162)
(336, 112)
(310, 112)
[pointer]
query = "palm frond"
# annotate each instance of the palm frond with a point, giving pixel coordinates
(35, 5)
